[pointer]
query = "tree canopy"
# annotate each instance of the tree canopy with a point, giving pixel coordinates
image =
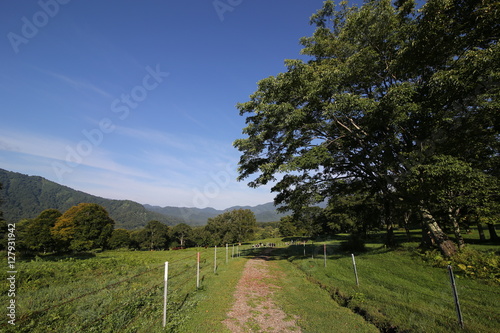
(36, 233)
(83, 227)
(233, 226)
(388, 88)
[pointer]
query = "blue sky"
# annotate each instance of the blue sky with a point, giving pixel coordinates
(136, 99)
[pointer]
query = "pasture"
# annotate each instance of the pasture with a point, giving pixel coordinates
(122, 291)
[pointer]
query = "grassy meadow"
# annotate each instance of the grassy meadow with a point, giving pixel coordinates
(112, 291)
(122, 291)
(401, 290)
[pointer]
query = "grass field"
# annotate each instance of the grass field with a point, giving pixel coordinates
(113, 291)
(398, 291)
(122, 291)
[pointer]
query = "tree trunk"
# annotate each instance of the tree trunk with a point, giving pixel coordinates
(390, 242)
(481, 231)
(452, 215)
(447, 247)
(493, 232)
(406, 217)
(390, 236)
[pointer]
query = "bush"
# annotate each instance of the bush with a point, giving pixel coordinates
(468, 262)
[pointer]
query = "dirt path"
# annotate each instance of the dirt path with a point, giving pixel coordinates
(254, 309)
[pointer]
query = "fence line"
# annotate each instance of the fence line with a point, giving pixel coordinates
(180, 281)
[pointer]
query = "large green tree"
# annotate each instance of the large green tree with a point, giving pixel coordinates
(157, 235)
(200, 236)
(36, 233)
(83, 227)
(234, 226)
(370, 104)
(120, 238)
(181, 233)
(452, 190)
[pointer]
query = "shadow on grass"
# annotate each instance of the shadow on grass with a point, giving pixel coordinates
(57, 257)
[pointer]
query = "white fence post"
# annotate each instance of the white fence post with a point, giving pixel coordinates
(215, 260)
(198, 271)
(324, 252)
(165, 294)
(355, 269)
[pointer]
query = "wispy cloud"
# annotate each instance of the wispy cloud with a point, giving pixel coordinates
(158, 177)
(156, 137)
(77, 84)
(61, 150)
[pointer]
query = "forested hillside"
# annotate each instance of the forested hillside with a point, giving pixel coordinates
(263, 213)
(26, 196)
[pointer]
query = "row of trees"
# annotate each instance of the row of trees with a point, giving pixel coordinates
(88, 226)
(230, 227)
(394, 119)
(81, 228)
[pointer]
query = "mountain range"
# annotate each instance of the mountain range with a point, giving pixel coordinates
(25, 197)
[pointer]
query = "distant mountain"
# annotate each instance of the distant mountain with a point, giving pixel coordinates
(263, 213)
(25, 197)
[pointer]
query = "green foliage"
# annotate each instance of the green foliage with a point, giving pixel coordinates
(181, 232)
(36, 233)
(4, 230)
(287, 227)
(82, 228)
(120, 238)
(154, 236)
(267, 230)
(468, 262)
(234, 226)
(200, 236)
(386, 89)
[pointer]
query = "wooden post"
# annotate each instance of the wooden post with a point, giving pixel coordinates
(227, 253)
(355, 269)
(455, 296)
(165, 294)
